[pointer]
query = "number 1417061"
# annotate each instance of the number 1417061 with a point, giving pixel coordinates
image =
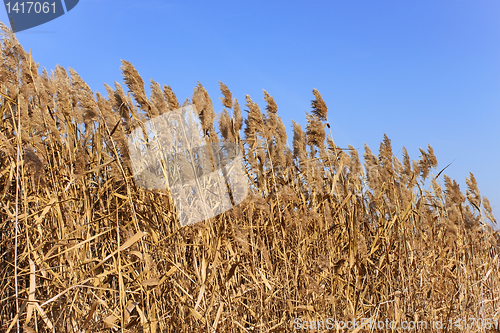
(31, 7)
(474, 323)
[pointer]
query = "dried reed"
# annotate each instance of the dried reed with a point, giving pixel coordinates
(86, 250)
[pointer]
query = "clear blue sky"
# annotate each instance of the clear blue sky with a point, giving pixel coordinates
(420, 71)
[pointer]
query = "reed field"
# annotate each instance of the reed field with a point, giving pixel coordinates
(85, 249)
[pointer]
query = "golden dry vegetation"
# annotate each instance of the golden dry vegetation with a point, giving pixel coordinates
(84, 249)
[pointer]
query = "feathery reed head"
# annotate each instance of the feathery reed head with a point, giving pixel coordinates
(135, 84)
(319, 107)
(227, 101)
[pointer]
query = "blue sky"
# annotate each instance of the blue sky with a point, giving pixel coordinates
(421, 71)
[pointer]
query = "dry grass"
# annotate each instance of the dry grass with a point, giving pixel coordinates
(83, 249)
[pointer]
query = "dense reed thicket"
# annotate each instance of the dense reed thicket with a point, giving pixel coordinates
(84, 249)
